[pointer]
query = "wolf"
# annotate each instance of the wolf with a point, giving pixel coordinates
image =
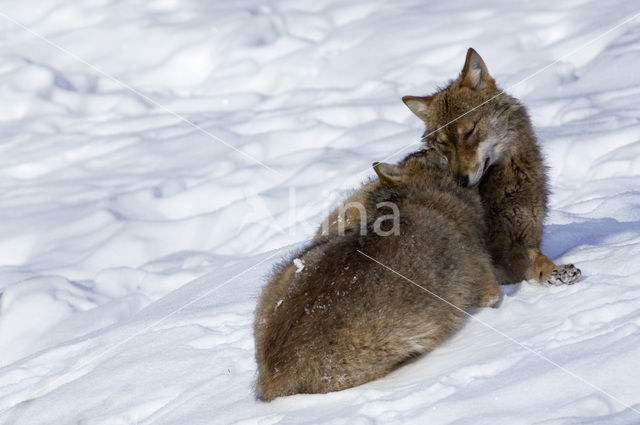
(487, 138)
(333, 317)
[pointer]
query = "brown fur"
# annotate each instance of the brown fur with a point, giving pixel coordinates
(488, 140)
(348, 214)
(344, 320)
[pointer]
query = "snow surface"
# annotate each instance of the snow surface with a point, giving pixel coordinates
(137, 223)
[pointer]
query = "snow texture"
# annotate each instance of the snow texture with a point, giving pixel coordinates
(299, 264)
(158, 158)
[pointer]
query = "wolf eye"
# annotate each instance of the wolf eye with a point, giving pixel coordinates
(470, 132)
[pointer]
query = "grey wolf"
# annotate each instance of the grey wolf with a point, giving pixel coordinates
(487, 138)
(330, 318)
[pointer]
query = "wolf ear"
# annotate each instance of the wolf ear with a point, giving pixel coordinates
(389, 174)
(418, 105)
(475, 74)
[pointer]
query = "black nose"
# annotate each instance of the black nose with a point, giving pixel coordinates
(462, 180)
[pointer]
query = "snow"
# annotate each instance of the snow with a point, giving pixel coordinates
(138, 221)
(299, 265)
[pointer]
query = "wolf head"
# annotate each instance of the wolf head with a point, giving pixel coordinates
(415, 164)
(468, 121)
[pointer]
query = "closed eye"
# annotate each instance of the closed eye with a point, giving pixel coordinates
(470, 132)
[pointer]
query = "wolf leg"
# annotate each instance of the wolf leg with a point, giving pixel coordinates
(545, 271)
(489, 293)
(514, 265)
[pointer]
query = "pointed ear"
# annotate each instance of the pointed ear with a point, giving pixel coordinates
(418, 105)
(475, 74)
(389, 174)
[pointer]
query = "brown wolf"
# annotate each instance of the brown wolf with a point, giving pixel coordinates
(331, 318)
(488, 140)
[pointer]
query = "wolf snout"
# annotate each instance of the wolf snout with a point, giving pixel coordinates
(463, 180)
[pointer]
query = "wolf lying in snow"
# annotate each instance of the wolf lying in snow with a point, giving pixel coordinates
(488, 140)
(331, 317)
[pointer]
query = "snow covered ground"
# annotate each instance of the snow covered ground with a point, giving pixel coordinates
(158, 157)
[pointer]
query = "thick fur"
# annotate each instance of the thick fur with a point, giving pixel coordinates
(343, 320)
(488, 140)
(348, 215)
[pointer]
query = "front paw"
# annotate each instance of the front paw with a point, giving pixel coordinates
(491, 300)
(567, 274)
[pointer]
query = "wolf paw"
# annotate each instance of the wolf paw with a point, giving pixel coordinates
(567, 274)
(496, 301)
(492, 301)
